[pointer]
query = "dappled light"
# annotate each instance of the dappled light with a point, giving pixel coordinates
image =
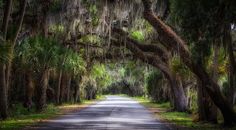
(117, 64)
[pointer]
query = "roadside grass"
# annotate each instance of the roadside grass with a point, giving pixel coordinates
(21, 117)
(178, 120)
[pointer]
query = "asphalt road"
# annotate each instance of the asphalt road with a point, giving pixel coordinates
(114, 113)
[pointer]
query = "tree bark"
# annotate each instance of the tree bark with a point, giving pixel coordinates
(59, 88)
(68, 89)
(63, 87)
(6, 18)
(232, 71)
(206, 109)
(29, 90)
(179, 97)
(77, 96)
(18, 29)
(3, 92)
(3, 77)
(41, 91)
(172, 41)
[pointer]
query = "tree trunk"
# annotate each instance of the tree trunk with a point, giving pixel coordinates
(206, 109)
(3, 92)
(179, 97)
(172, 41)
(42, 90)
(63, 87)
(59, 88)
(7, 12)
(3, 76)
(29, 90)
(232, 62)
(77, 89)
(23, 5)
(68, 88)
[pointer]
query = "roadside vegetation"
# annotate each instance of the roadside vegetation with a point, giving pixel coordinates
(182, 52)
(21, 117)
(178, 120)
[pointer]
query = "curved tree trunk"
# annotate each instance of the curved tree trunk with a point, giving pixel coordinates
(173, 42)
(179, 97)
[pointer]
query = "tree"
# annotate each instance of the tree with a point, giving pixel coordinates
(180, 100)
(172, 41)
(5, 68)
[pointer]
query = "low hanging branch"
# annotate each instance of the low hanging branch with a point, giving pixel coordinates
(131, 44)
(148, 48)
(6, 18)
(172, 41)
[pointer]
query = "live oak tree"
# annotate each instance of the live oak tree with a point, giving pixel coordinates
(172, 41)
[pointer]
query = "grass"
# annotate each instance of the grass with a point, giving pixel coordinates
(23, 118)
(180, 120)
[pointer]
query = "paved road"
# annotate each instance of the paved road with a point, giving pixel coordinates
(114, 113)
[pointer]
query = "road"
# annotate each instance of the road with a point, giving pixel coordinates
(114, 113)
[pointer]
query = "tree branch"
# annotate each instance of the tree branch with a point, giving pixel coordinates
(161, 52)
(6, 18)
(19, 26)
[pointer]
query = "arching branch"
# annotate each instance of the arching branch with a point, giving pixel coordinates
(170, 39)
(161, 52)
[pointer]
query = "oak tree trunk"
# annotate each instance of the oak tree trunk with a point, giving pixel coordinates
(172, 41)
(179, 98)
(206, 109)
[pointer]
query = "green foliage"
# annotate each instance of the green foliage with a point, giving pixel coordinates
(21, 117)
(154, 88)
(1, 3)
(57, 28)
(93, 11)
(5, 52)
(198, 24)
(181, 119)
(56, 6)
(201, 51)
(138, 35)
(142, 30)
(39, 52)
(134, 72)
(178, 67)
(100, 74)
(74, 62)
(91, 39)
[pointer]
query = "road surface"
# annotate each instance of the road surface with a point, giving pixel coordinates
(114, 113)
